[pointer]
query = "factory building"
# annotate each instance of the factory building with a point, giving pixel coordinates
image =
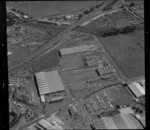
(56, 121)
(109, 123)
(34, 126)
(142, 82)
(77, 49)
(126, 121)
(137, 89)
(50, 86)
(127, 110)
(47, 125)
(141, 119)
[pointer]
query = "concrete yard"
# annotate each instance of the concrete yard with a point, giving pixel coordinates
(125, 51)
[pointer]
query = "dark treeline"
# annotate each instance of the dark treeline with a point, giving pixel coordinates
(15, 119)
(115, 31)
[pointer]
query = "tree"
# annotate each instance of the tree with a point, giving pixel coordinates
(80, 16)
(132, 4)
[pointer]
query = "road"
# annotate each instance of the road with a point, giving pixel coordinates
(46, 46)
(134, 15)
(106, 85)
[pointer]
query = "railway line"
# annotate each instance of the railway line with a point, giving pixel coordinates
(46, 46)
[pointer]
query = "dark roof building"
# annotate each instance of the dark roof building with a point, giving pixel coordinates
(78, 49)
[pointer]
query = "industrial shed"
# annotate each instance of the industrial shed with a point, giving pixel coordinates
(109, 123)
(137, 89)
(126, 121)
(77, 49)
(48, 82)
(47, 125)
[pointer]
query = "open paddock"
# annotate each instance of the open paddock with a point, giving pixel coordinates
(125, 51)
(17, 52)
(77, 75)
(118, 95)
(71, 62)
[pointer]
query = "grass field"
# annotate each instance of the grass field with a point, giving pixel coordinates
(118, 95)
(17, 52)
(71, 62)
(47, 61)
(46, 8)
(71, 76)
(125, 51)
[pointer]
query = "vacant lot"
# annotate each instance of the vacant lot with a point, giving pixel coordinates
(71, 62)
(118, 95)
(76, 76)
(46, 8)
(45, 62)
(17, 52)
(126, 52)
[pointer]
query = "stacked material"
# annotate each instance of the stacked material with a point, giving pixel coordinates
(105, 70)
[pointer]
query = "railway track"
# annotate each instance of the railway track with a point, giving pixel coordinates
(46, 46)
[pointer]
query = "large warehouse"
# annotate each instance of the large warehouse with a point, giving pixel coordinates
(126, 121)
(137, 89)
(77, 49)
(50, 86)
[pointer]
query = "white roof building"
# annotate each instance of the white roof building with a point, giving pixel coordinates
(137, 89)
(56, 121)
(142, 82)
(48, 82)
(31, 128)
(109, 123)
(47, 125)
(127, 110)
(126, 121)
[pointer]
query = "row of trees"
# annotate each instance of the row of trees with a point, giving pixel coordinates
(115, 31)
(93, 8)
